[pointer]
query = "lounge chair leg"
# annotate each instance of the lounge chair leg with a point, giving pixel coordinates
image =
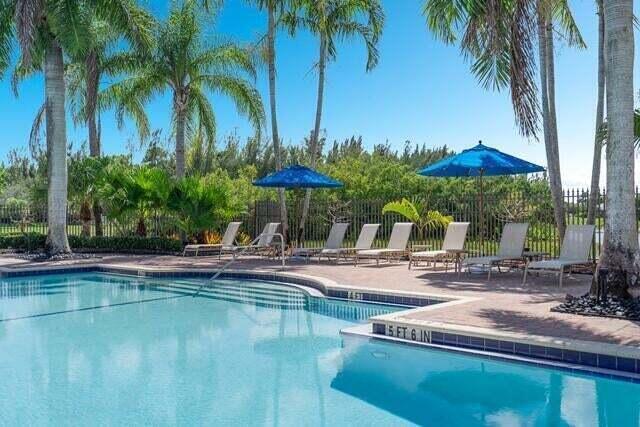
(560, 281)
(489, 275)
(524, 276)
(410, 259)
(377, 261)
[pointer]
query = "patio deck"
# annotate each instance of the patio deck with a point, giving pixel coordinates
(502, 305)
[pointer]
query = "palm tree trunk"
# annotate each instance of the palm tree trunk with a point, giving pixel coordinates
(322, 62)
(620, 232)
(57, 241)
(93, 77)
(547, 87)
(271, 40)
(594, 192)
(180, 123)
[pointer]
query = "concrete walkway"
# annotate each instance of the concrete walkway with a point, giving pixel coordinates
(502, 304)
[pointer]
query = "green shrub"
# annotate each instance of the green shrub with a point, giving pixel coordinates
(133, 244)
(25, 242)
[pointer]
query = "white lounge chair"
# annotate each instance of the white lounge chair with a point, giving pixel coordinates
(510, 249)
(397, 246)
(574, 251)
(263, 245)
(452, 246)
(333, 242)
(365, 241)
(227, 242)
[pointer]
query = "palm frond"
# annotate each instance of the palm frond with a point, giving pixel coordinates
(201, 118)
(245, 97)
(21, 72)
(6, 33)
(70, 22)
(130, 19)
(28, 14)
(405, 208)
(225, 57)
(569, 28)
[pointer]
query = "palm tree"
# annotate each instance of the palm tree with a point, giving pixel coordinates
(45, 32)
(499, 38)
(98, 59)
(620, 233)
(274, 9)
(594, 191)
(332, 21)
(186, 64)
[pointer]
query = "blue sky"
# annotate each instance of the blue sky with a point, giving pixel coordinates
(421, 91)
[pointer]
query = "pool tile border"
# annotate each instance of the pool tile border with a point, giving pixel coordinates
(580, 354)
(501, 356)
(583, 356)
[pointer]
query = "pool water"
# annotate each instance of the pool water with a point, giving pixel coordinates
(96, 349)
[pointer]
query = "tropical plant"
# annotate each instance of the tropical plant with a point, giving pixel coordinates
(46, 30)
(620, 255)
(134, 192)
(499, 38)
(85, 175)
(274, 9)
(184, 62)
(416, 211)
(333, 21)
(200, 203)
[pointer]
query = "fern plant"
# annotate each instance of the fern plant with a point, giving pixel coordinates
(416, 211)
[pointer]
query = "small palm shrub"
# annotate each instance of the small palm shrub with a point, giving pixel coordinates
(134, 193)
(417, 212)
(200, 203)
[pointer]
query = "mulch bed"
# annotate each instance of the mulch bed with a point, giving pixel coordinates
(588, 305)
(44, 257)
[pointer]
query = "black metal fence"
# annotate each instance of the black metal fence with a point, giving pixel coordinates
(537, 210)
(498, 210)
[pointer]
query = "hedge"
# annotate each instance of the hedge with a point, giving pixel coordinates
(132, 244)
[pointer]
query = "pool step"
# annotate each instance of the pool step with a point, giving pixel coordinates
(292, 301)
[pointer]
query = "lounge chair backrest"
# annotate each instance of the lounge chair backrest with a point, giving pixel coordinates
(336, 235)
(400, 236)
(230, 235)
(267, 234)
(367, 236)
(577, 242)
(513, 239)
(455, 236)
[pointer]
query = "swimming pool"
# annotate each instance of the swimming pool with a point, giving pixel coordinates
(98, 349)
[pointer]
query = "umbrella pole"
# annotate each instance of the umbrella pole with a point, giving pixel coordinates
(481, 214)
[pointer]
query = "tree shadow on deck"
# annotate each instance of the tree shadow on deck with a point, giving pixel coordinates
(519, 322)
(507, 283)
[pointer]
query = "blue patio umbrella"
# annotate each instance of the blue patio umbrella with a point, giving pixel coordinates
(297, 176)
(480, 161)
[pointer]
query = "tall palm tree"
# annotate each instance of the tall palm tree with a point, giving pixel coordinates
(594, 191)
(620, 233)
(100, 59)
(274, 9)
(332, 21)
(499, 38)
(186, 64)
(45, 32)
